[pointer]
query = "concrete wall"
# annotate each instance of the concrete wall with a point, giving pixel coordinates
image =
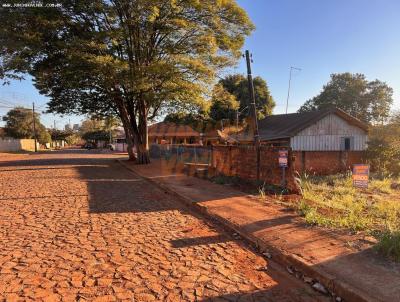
(242, 161)
(326, 162)
(13, 145)
(327, 135)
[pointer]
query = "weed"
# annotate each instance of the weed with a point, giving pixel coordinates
(261, 191)
(332, 201)
(389, 245)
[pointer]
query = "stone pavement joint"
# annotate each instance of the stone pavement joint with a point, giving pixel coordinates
(72, 228)
(353, 274)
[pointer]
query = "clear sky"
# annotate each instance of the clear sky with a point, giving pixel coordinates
(319, 36)
(323, 37)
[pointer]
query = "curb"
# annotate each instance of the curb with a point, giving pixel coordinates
(341, 288)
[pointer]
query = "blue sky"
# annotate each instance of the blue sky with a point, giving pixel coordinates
(320, 37)
(323, 37)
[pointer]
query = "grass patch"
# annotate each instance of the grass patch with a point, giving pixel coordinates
(389, 245)
(332, 201)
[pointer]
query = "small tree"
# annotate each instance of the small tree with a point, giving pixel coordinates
(384, 147)
(19, 124)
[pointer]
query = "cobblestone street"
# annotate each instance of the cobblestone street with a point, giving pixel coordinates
(77, 226)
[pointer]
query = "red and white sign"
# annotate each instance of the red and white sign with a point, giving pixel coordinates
(360, 175)
(283, 158)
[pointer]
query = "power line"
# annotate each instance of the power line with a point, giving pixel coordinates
(8, 103)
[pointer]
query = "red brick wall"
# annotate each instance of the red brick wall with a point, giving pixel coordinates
(326, 162)
(241, 161)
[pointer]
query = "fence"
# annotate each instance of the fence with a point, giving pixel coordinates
(247, 162)
(327, 162)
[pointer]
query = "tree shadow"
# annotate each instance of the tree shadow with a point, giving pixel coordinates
(196, 241)
(114, 189)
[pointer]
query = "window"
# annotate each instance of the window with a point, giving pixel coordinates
(347, 143)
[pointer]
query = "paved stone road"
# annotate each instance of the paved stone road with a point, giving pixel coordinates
(77, 226)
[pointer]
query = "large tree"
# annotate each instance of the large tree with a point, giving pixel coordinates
(224, 105)
(384, 146)
(237, 86)
(131, 58)
(368, 101)
(19, 124)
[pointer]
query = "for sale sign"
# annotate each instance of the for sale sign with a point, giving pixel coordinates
(360, 175)
(283, 158)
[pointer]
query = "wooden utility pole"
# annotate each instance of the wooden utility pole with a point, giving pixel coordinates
(34, 125)
(252, 105)
(253, 112)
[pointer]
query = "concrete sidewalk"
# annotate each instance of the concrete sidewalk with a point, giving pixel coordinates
(351, 271)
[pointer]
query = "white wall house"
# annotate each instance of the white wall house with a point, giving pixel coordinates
(331, 133)
(323, 130)
(8, 144)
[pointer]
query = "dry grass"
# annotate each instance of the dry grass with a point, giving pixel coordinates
(332, 201)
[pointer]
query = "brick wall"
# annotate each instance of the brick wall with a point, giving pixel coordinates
(326, 162)
(242, 161)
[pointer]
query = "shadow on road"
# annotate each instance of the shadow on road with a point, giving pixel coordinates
(111, 188)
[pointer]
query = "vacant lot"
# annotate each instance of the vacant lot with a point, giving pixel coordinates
(332, 201)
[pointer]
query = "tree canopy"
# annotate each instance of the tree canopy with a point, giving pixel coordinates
(200, 121)
(224, 104)
(237, 86)
(97, 135)
(19, 124)
(60, 134)
(368, 101)
(131, 58)
(384, 146)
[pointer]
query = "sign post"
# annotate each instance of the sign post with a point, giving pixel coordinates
(360, 176)
(283, 163)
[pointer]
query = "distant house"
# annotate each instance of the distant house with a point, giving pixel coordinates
(170, 133)
(324, 141)
(323, 130)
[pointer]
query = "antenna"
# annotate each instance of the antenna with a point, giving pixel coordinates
(290, 80)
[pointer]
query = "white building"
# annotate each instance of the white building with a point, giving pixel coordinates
(322, 130)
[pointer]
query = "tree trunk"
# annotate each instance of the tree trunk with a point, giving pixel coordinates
(143, 152)
(128, 130)
(135, 130)
(129, 141)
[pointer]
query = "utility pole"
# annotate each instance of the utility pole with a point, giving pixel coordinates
(252, 105)
(253, 112)
(34, 125)
(290, 80)
(54, 124)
